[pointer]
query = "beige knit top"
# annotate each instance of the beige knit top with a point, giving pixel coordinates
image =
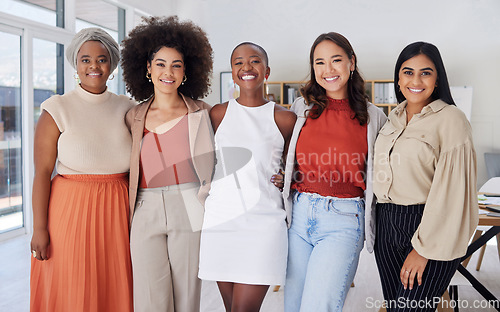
(94, 138)
(430, 160)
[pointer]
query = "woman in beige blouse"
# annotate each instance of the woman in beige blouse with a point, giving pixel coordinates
(425, 183)
(167, 64)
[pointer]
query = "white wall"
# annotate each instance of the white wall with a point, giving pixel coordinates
(466, 32)
(159, 7)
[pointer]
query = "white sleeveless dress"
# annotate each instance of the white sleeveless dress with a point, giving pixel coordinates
(244, 235)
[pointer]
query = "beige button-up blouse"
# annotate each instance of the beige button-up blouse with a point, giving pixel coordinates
(432, 161)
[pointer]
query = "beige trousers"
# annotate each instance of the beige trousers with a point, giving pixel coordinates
(164, 245)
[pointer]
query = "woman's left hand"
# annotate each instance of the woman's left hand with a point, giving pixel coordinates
(278, 180)
(414, 266)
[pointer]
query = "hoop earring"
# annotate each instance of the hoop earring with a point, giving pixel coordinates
(148, 76)
(111, 77)
(184, 80)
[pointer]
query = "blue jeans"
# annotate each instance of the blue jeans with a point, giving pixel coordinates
(324, 243)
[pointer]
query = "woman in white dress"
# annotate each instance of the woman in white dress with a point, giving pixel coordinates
(244, 236)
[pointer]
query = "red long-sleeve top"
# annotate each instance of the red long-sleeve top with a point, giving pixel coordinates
(331, 153)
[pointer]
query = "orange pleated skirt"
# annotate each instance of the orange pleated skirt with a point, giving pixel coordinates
(89, 267)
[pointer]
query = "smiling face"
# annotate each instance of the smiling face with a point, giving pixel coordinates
(93, 66)
(417, 80)
(167, 70)
(249, 67)
(332, 68)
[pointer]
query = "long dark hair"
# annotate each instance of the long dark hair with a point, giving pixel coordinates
(315, 95)
(442, 91)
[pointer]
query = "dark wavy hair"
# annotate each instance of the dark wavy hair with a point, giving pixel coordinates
(442, 91)
(149, 37)
(315, 95)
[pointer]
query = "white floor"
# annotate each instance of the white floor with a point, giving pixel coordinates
(15, 266)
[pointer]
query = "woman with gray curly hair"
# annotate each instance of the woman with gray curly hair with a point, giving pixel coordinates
(80, 244)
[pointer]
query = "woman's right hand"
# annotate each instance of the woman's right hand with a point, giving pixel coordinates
(40, 244)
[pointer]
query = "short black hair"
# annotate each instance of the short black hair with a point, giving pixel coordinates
(266, 58)
(442, 91)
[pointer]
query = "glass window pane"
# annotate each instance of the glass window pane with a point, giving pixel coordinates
(35, 10)
(11, 212)
(97, 13)
(45, 72)
(81, 24)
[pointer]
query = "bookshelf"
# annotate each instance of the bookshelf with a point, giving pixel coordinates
(381, 93)
(283, 92)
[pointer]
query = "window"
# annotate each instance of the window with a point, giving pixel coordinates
(11, 200)
(47, 72)
(47, 12)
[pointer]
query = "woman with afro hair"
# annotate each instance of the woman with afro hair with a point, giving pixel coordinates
(167, 64)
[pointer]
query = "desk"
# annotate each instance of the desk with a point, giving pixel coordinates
(494, 222)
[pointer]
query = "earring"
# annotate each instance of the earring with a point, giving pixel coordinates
(351, 75)
(148, 76)
(111, 77)
(184, 80)
(77, 78)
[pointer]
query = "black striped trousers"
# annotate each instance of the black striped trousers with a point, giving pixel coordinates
(396, 225)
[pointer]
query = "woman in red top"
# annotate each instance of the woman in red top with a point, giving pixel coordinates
(328, 178)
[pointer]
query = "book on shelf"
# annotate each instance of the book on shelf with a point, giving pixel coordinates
(285, 94)
(384, 93)
(290, 94)
(391, 94)
(379, 93)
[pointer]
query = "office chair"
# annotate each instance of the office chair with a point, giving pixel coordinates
(491, 186)
(492, 161)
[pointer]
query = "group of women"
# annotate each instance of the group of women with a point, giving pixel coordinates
(203, 198)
